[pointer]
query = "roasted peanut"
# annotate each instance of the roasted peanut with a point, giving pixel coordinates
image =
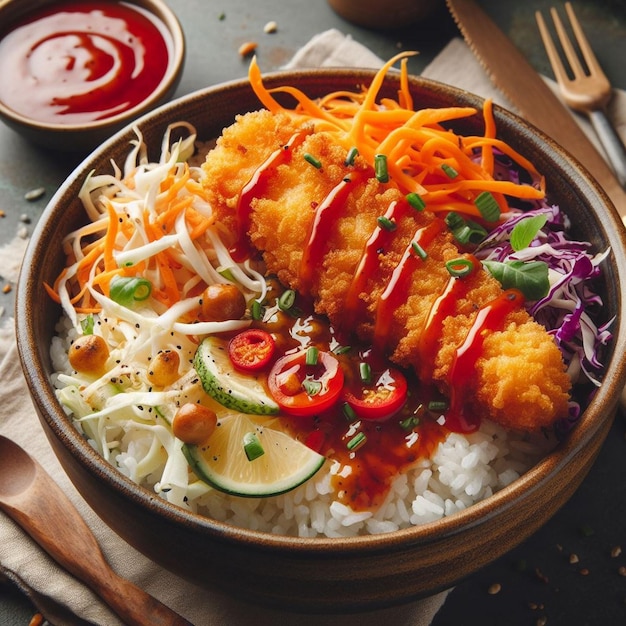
(194, 423)
(221, 302)
(164, 368)
(89, 354)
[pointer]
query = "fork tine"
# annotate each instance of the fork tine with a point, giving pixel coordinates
(583, 43)
(555, 60)
(566, 44)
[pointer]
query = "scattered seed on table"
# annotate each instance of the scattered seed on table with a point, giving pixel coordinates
(247, 48)
(573, 558)
(6, 288)
(542, 621)
(34, 194)
(493, 589)
(584, 572)
(270, 27)
(616, 551)
(2, 213)
(24, 218)
(622, 570)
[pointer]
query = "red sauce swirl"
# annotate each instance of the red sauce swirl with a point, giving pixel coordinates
(77, 62)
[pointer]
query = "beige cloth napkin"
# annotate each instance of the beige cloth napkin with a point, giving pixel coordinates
(58, 594)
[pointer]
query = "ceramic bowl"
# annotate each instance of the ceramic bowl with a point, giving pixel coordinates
(322, 575)
(83, 136)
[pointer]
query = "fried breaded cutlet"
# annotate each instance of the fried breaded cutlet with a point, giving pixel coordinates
(518, 379)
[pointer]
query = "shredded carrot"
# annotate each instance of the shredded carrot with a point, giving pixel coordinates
(416, 143)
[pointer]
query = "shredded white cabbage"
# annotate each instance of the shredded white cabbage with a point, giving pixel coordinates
(123, 416)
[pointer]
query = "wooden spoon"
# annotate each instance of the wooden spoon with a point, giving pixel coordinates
(30, 496)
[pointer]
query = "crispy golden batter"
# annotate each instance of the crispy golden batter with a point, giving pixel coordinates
(519, 380)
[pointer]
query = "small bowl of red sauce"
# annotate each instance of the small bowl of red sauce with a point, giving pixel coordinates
(76, 71)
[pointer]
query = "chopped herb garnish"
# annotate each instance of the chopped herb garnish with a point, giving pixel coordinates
(348, 411)
(531, 277)
(311, 355)
(437, 405)
(342, 350)
(257, 310)
(526, 230)
(465, 231)
(380, 168)
(488, 206)
(416, 201)
(365, 371)
(87, 325)
(421, 253)
(252, 446)
(352, 154)
(126, 290)
(357, 441)
(386, 223)
(449, 171)
(287, 300)
(459, 268)
(409, 422)
(311, 387)
(314, 161)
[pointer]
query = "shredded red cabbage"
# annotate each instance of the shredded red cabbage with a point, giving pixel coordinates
(566, 311)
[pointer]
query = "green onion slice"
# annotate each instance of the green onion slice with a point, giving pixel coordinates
(465, 231)
(252, 446)
(314, 161)
(386, 223)
(488, 206)
(352, 154)
(357, 441)
(449, 171)
(419, 251)
(311, 355)
(257, 311)
(437, 405)
(365, 371)
(459, 268)
(380, 168)
(348, 411)
(126, 290)
(416, 201)
(409, 422)
(287, 300)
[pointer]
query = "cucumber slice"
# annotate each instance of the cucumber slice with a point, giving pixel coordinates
(231, 388)
(221, 462)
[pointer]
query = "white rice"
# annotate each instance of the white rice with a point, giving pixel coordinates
(463, 470)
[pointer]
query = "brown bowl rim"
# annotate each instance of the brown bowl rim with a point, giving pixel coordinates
(593, 420)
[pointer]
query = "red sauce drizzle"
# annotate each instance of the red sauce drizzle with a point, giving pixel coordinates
(326, 215)
(76, 62)
(489, 318)
(441, 308)
(255, 188)
(378, 240)
(397, 287)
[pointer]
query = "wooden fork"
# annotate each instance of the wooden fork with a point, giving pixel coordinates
(588, 91)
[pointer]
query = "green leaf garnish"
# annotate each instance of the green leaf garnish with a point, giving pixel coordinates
(526, 230)
(87, 325)
(530, 278)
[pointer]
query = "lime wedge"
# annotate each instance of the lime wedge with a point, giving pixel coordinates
(222, 462)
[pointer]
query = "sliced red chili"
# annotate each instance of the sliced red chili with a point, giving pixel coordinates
(251, 350)
(303, 388)
(380, 398)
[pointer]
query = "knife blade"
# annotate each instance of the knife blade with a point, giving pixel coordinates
(509, 70)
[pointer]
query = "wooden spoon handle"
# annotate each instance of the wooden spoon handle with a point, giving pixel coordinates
(45, 512)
